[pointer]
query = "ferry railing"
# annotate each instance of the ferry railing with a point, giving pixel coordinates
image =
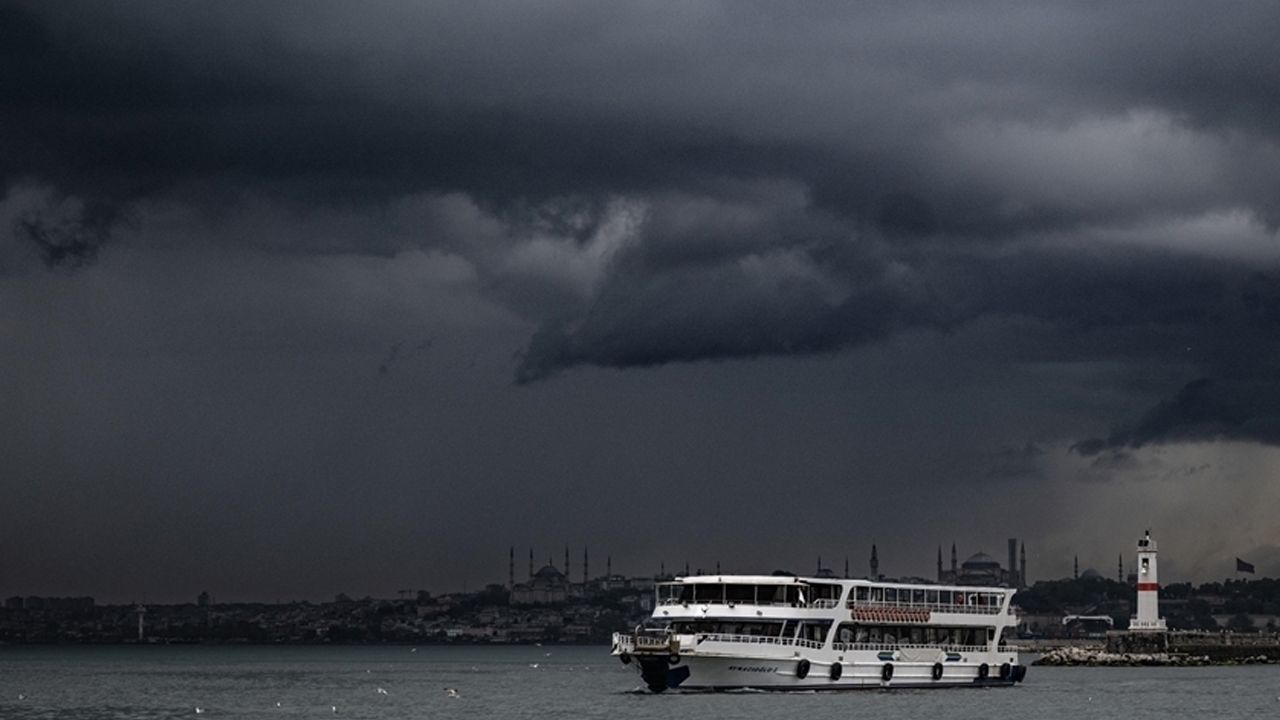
(631, 643)
(651, 641)
(760, 640)
(822, 604)
(935, 607)
(845, 647)
(623, 642)
(627, 642)
(829, 603)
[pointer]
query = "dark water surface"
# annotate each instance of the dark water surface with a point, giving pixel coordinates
(572, 682)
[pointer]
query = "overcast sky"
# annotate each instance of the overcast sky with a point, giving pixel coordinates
(299, 298)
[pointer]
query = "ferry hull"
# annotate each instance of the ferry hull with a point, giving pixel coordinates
(701, 673)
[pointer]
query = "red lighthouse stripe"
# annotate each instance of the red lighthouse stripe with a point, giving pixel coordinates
(1148, 586)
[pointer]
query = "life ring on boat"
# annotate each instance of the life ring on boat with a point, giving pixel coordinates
(1005, 671)
(983, 671)
(937, 671)
(836, 670)
(886, 672)
(802, 669)
(625, 658)
(673, 658)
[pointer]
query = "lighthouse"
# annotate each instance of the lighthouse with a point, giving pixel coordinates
(1148, 618)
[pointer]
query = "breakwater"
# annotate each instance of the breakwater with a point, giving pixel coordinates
(1125, 649)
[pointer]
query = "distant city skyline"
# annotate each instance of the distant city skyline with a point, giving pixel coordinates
(858, 569)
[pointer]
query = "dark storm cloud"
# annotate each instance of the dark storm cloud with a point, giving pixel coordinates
(503, 103)
(1203, 410)
(62, 244)
(820, 299)
(935, 167)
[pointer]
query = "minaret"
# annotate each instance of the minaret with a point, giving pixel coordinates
(566, 563)
(1022, 566)
(608, 566)
(954, 567)
(846, 566)
(1120, 568)
(1075, 568)
(717, 567)
(1012, 576)
(530, 563)
(1148, 618)
(511, 568)
(939, 563)
(875, 563)
(686, 568)
(819, 572)
(584, 564)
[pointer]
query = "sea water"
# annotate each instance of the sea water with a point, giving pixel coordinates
(128, 682)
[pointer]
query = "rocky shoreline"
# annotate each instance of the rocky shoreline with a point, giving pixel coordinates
(1088, 657)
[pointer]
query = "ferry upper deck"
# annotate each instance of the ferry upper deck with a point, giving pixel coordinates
(802, 593)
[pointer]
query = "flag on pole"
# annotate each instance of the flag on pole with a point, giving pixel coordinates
(1242, 566)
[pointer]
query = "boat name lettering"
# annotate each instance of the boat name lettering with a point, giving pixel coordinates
(753, 668)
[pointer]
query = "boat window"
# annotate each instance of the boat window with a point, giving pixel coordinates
(1006, 634)
(740, 593)
(815, 631)
(944, 597)
(824, 591)
(708, 593)
(770, 594)
(877, 594)
(861, 593)
(931, 597)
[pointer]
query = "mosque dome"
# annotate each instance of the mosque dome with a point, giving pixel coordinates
(1090, 574)
(548, 573)
(981, 561)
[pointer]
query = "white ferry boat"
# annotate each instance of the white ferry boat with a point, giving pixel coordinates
(782, 632)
